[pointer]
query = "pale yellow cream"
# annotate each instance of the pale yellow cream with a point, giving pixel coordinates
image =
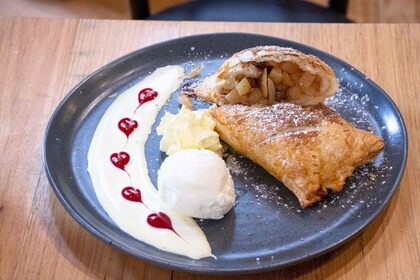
(188, 130)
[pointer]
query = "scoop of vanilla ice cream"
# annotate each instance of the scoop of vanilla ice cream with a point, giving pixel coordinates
(196, 183)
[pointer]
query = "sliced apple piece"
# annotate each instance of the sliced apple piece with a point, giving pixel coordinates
(287, 80)
(294, 93)
(289, 67)
(271, 91)
(255, 96)
(243, 87)
(296, 77)
(264, 83)
(233, 96)
(276, 75)
(313, 89)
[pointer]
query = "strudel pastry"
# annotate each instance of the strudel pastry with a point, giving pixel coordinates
(269, 74)
(311, 149)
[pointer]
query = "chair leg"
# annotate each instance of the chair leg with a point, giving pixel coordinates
(338, 5)
(139, 9)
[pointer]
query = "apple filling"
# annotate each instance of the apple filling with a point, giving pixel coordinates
(276, 82)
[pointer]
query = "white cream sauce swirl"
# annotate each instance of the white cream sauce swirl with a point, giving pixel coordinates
(108, 181)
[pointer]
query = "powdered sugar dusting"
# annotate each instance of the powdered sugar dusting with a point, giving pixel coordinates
(353, 107)
(281, 116)
(264, 191)
(360, 190)
(249, 54)
(357, 193)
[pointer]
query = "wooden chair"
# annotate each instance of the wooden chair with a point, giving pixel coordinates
(246, 10)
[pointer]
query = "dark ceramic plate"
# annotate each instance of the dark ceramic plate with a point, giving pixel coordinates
(267, 229)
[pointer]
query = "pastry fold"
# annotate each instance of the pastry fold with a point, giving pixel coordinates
(310, 149)
(269, 74)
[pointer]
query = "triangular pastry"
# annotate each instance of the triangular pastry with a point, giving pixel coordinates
(311, 149)
(269, 74)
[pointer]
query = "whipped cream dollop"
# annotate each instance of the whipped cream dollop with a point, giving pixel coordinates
(196, 183)
(188, 130)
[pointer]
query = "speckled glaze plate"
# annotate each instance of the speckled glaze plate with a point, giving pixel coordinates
(267, 229)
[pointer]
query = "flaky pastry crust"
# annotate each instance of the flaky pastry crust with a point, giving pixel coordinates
(311, 149)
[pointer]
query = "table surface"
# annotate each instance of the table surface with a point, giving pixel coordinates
(42, 59)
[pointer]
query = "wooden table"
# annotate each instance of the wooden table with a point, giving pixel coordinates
(41, 59)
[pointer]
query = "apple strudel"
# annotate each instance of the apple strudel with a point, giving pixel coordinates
(310, 149)
(269, 74)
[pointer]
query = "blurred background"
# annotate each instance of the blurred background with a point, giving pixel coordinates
(361, 11)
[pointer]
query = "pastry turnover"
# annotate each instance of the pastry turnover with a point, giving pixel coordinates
(267, 74)
(311, 149)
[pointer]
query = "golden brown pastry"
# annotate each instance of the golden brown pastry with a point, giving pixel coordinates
(267, 74)
(310, 149)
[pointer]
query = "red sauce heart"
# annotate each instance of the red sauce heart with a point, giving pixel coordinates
(160, 220)
(146, 95)
(120, 160)
(132, 194)
(127, 126)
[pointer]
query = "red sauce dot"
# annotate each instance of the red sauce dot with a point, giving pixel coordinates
(127, 126)
(120, 160)
(160, 220)
(132, 194)
(146, 95)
